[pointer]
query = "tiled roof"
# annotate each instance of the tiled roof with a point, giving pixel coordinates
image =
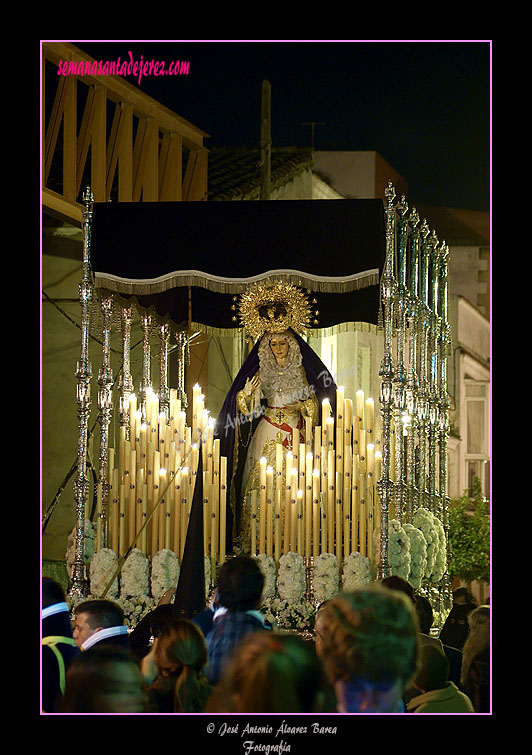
(235, 172)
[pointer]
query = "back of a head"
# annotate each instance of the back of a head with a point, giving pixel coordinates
(274, 673)
(103, 613)
(52, 592)
(395, 582)
(240, 584)
(462, 595)
(181, 643)
(434, 669)
(424, 613)
(181, 653)
(106, 680)
(371, 635)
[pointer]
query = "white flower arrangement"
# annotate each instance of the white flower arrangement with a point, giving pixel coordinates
(286, 614)
(102, 567)
(70, 555)
(356, 572)
(164, 572)
(135, 576)
(135, 608)
(423, 519)
(418, 555)
(267, 567)
(326, 577)
(292, 577)
(398, 549)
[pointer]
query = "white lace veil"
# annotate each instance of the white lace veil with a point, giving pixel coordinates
(290, 380)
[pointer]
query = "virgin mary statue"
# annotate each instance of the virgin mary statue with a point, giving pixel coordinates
(277, 394)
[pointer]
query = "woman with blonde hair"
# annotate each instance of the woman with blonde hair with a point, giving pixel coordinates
(177, 660)
(369, 648)
(475, 675)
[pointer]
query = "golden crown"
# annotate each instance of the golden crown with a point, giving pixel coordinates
(274, 308)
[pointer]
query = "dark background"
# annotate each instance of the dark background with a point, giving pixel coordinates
(424, 106)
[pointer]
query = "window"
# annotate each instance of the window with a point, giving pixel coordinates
(477, 433)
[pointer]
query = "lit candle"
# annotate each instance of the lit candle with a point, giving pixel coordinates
(370, 460)
(308, 433)
(300, 522)
(132, 410)
(115, 511)
(196, 392)
(177, 483)
(308, 504)
(330, 501)
(359, 398)
(293, 506)
(362, 523)
(325, 411)
(262, 505)
(370, 409)
(143, 537)
(223, 506)
(162, 508)
(277, 524)
(340, 405)
(143, 442)
(338, 500)
(378, 465)
(348, 420)
(330, 433)
(315, 512)
(185, 493)
(122, 524)
(155, 499)
(278, 466)
(269, 510)
(253, 522)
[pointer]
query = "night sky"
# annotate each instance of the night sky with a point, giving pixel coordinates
(423, 106)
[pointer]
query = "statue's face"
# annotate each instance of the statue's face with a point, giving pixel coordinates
(280, 346)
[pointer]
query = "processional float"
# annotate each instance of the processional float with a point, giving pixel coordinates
(368, 462)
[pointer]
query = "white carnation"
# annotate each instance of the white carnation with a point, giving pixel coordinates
(418, 555)
(267, 567)
(398, 549)
(326, 577)
(292, 577)
(164, 572)
(134, 580)
(102, 567)
(356, 572)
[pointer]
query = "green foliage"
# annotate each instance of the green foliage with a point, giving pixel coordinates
(469, 537)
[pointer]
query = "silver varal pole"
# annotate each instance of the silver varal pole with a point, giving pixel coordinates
(385, 485)
(84, 374)
(126, 386)
(105, 405)
(412, 385)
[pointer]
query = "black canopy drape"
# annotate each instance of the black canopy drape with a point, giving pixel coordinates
(176, 255)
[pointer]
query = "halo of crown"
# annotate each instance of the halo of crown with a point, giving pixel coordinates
(275, 307)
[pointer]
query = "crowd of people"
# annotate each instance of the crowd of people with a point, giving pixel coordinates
(372, 652)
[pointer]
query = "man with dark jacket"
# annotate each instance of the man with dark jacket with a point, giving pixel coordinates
(240, 586)
(58, 646)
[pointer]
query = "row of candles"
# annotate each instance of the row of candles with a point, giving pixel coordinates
(152, 480)
(321, 496)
